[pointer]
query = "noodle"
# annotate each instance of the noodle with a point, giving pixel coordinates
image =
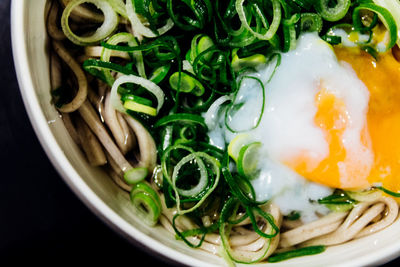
(122, 144)
(118, 127)
(81, 95)
(90, 145)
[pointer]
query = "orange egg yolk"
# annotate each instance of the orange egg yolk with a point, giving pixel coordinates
(381, 134)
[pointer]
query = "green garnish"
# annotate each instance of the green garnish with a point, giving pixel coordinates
(277, 257)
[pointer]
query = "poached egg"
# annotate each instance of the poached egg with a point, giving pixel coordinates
(331, 119)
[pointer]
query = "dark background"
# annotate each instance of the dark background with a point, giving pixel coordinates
(40, 217)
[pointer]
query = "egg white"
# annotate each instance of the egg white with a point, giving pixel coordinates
(287, 125)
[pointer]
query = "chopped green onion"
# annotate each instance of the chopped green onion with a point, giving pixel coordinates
(391, 193)
(249, 62)
(148, 85)
(135, 175)
(332, 39)
(119, 7)
(240, 187)
(268, 31)
(237, 144)
(122, 37)
(188, 84)
(200, 43)
(370, 50)
(213, 67)
(183, 235)
(137, 99)
(190, 15)
(305, 4)
(233, 106)
(266, 216)
(205, 43)
(310, 22)
(338, 198)
(332, 13)
(306, 251)
(137, 107)
(159, 74)
(139, 26)
(247, 162)
(289, 33)
(394, 7)
(166, 159)
(102, 69)
(182, 118)
(213, 168)
(293, 216)
(339, 201)
(167, 44)
(228, 212)
(203, 181)
(106, 29)
(386, 18)
(146, 203)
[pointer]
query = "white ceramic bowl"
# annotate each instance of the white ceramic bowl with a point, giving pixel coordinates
(104, 198)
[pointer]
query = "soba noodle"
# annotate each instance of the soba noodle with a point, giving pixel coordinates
(120, 142)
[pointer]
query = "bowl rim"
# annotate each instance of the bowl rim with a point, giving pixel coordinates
(82, 190)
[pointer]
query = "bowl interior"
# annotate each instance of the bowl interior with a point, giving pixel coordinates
(100, 193)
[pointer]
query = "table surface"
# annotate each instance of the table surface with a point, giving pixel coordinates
(40, 215)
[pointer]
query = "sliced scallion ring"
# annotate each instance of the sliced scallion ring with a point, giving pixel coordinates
(138, 107)
(270, 29)
(248, 62)
(213, 167)
(188, 84)
(332, 13)
(211, 116)
(139, 28)
(236, 145)
(106, 29)
(166, 156)
(202, 183)
(247, 162)
(200, 43)
(159, 74)
(146, 203)
(230, 210)
(119, 7)
(289, 33)
(149, 85)
(251, 211)
(394, 7)
(137, 99)
(135, 175)
(385, 16)
(310, 22)
(197, 13)
(123, 37)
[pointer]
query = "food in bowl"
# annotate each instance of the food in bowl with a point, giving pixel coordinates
(256, 130)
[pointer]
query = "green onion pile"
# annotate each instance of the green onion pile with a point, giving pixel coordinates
(165, 62)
